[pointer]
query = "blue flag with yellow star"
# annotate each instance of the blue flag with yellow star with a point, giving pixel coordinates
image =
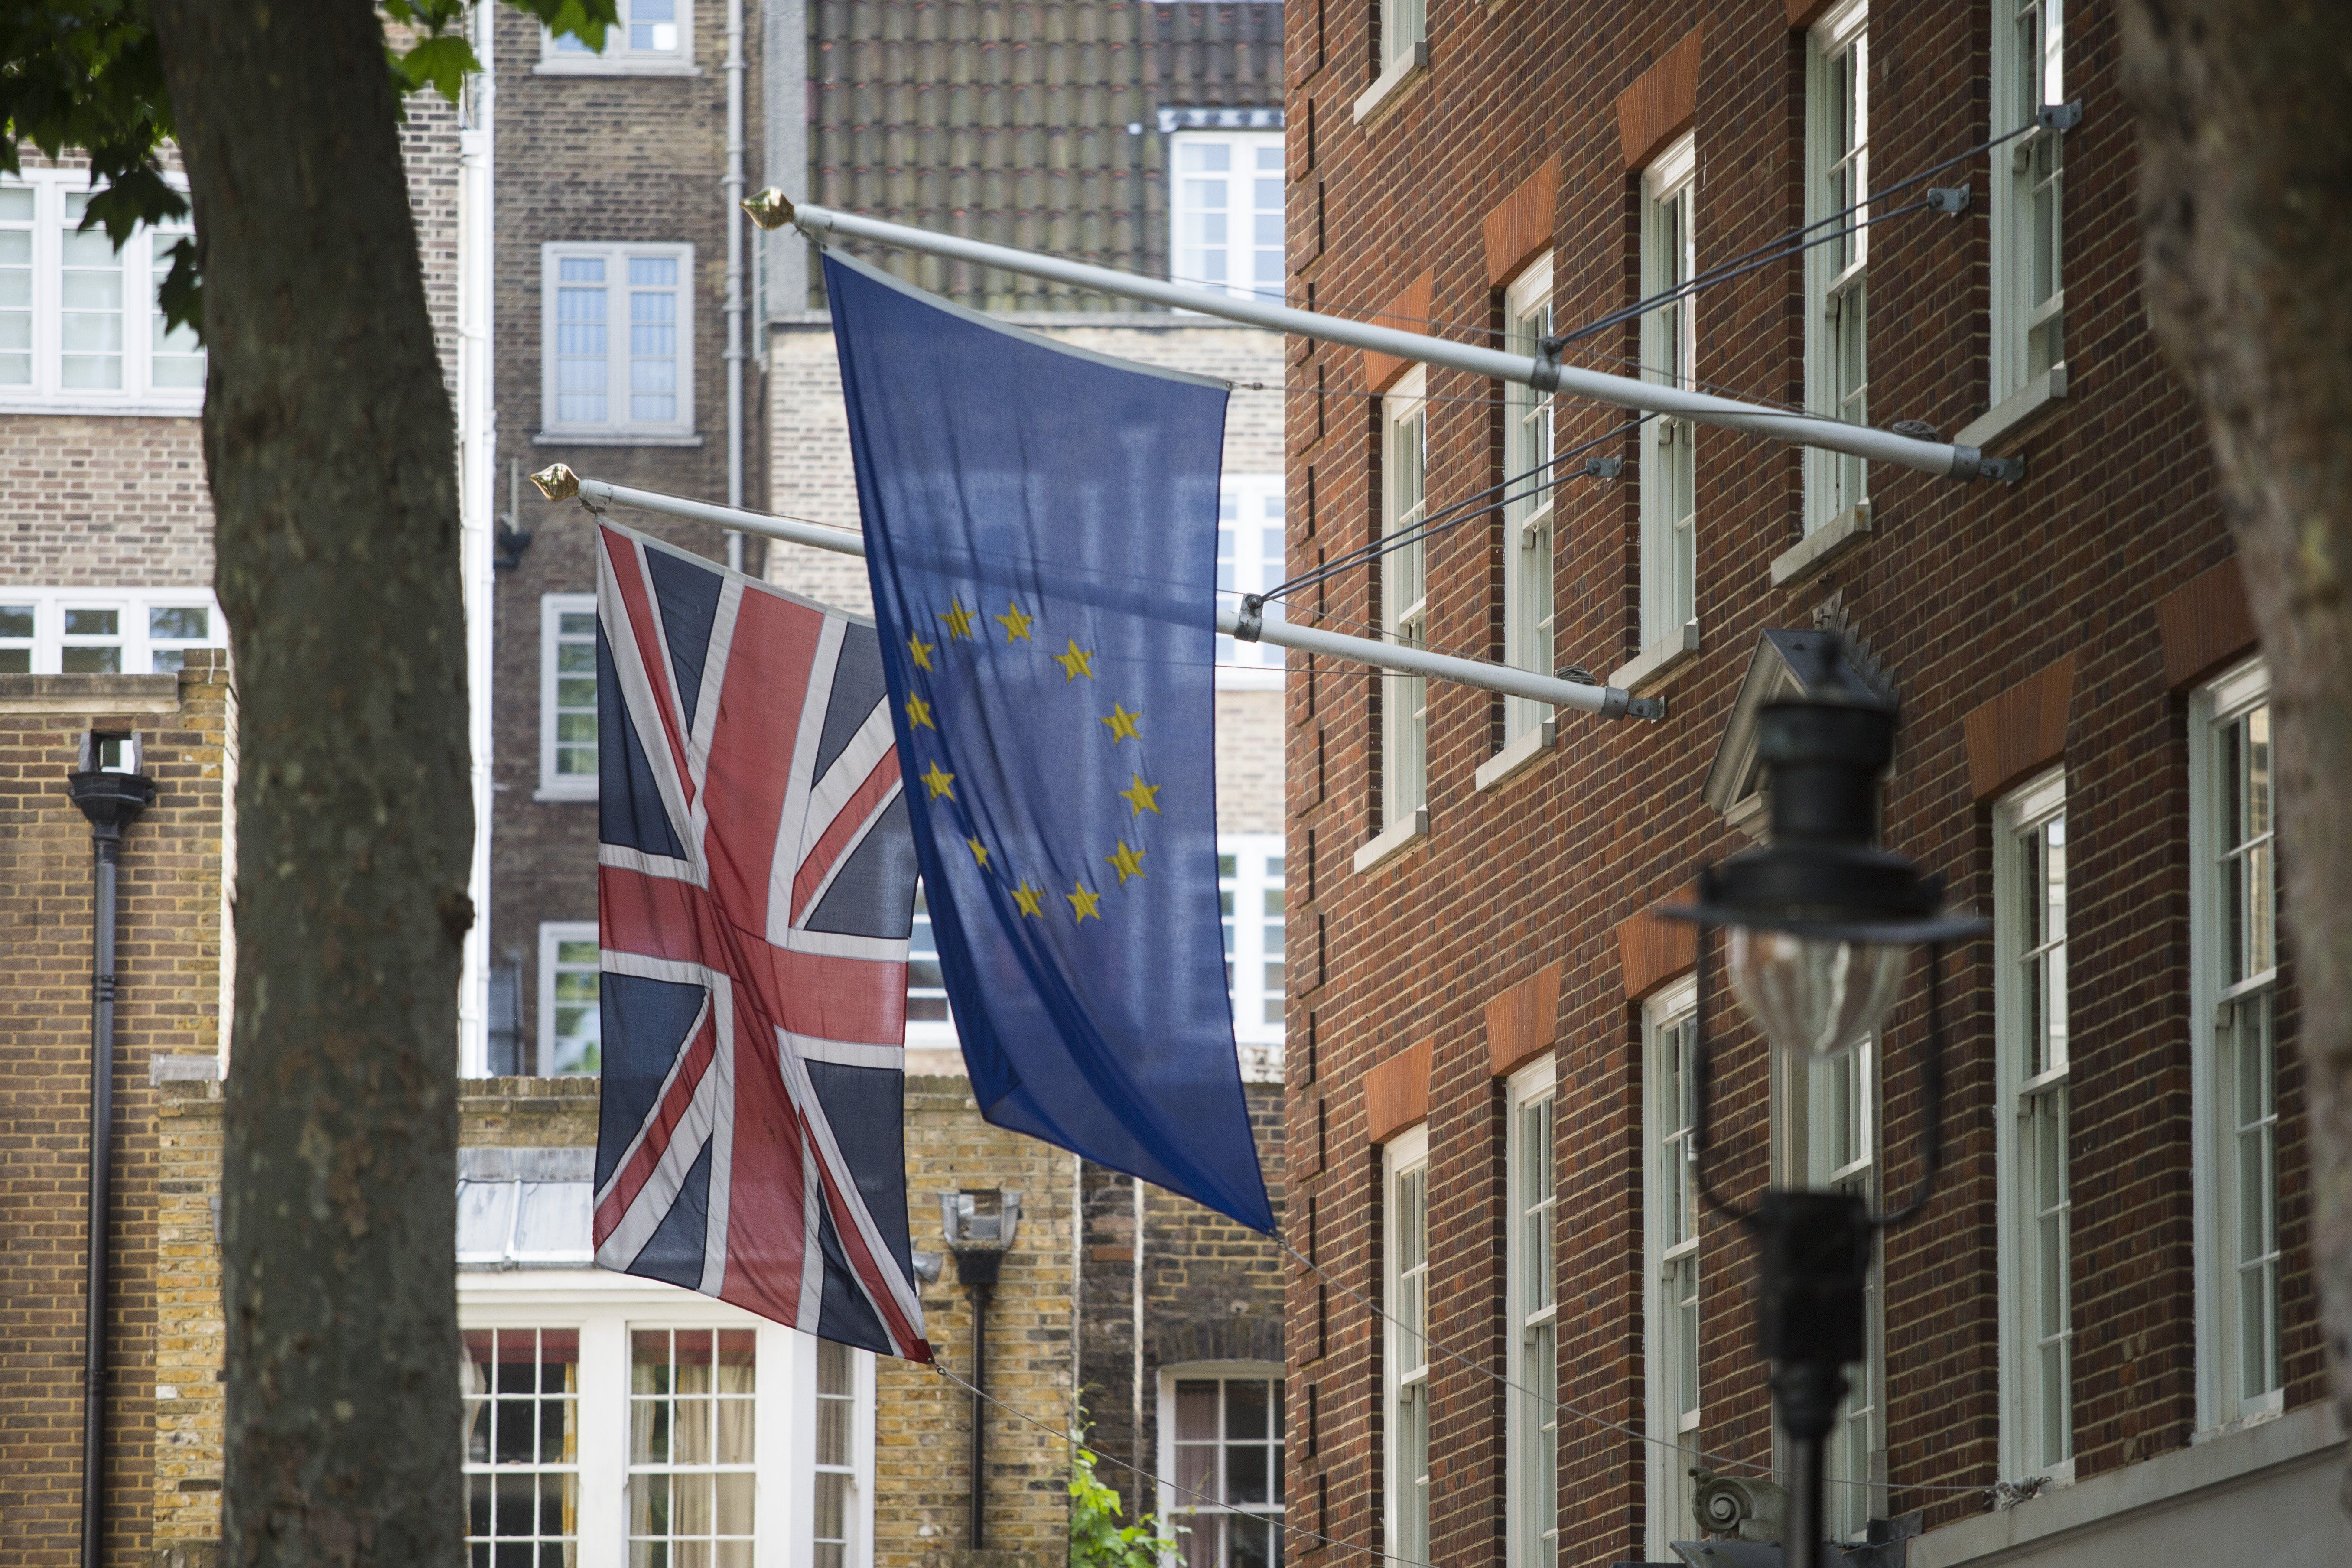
(1041, 531)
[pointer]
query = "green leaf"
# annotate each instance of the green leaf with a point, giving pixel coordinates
(442, 62)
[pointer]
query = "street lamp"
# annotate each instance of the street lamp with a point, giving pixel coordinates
(1821, 925)
(979, 1226)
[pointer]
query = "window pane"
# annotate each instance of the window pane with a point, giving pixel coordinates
(15, 286)
(91, 661)
(90, 299)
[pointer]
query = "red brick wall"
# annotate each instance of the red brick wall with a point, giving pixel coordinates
(168, 957)
(596, 158)
(1963, 590)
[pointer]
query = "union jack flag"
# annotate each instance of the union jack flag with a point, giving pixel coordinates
(755, 890)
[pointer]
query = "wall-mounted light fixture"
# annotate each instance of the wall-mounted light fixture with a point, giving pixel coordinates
(112, 792)
(980, 1226)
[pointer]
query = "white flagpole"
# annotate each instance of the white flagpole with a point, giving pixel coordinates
(558, 483)
(771, 209)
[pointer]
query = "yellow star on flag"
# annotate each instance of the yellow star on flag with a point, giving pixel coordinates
(921, 650)
(942, 783)
(1016, 624)
(1026, 896)
(919, 714)
(1077, 662)
(1127, 862)
(1083, 902)
(1141, 798)
(979, 852)
(958, 618)
(1121, 722)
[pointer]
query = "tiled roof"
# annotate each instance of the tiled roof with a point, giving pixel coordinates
(1039, 123)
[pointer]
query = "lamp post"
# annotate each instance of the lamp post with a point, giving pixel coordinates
(1821, 925)
(112, 792)
(979, 1226)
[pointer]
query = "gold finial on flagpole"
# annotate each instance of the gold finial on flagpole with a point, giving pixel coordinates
(556, 482)
(769, 208)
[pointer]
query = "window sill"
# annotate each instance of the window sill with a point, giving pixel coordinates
(149, 408)
(1823, 545)
(2015, 409)
(1405, 72)
(2128, 1509)
(563, 796)
(560, 438)
(1516, 758)
(1394, 842)
(1656, 659)
(560, 67)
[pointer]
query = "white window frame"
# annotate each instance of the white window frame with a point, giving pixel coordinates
(135, 633)
(1405, 36)
(1250, 560)
(1253, 933)
(1669, 1272)
(1531, 1432)
(565, 57)
(1806, 1155)
(2223, 1403)
(604, 1308)
(1669, 471)
(1245, 250)
(1404, 1519)
(1837, 177)
(619, 427)
(1176, 1507)
(143, 263)
(1529, 616)
(553, 935)
(922, 947)
(553, 609)
(2021, 86)
(1404, 599)
(2032, 1094)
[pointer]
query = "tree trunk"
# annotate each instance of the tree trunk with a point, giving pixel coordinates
(2245, 111)
(332, 456)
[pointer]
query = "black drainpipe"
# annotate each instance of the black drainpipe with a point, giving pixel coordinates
(112, 792)
(976, 1269)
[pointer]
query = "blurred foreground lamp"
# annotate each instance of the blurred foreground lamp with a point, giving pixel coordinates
(979, 1226)
(1822, 925)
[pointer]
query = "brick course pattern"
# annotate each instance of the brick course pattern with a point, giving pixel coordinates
(593, 158)
(168, 947)
(1963, 591)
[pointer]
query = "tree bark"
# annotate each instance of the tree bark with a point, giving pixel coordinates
(330, 452)
(2245, 113)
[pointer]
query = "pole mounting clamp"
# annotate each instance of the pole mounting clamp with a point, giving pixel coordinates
(1249, 621)
(1971, 463)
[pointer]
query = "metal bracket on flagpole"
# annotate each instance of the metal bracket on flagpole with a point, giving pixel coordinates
(771, 209)
(558, 483)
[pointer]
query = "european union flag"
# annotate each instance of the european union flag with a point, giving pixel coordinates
(1041, 533)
